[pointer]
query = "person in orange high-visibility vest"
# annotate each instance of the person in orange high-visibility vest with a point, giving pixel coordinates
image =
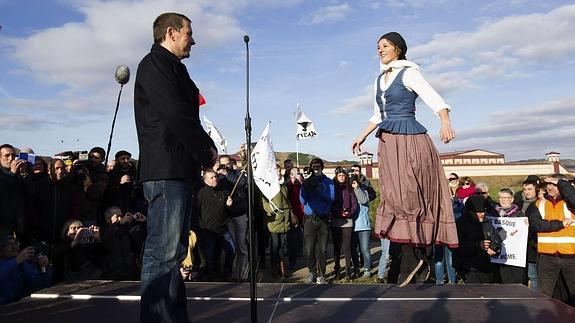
(552, 218)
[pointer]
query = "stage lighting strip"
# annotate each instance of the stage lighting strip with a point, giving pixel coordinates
(286, 299)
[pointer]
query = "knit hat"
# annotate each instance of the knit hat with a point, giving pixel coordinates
(398, 41)
(475, 203)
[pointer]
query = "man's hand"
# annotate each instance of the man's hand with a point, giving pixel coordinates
(229, 201)
(43, 261)
(567, 222)
(126, 179)
(25, 255)
(490, 252)
(16, 165)
(139, 217)
(127, 218)
(485, 245)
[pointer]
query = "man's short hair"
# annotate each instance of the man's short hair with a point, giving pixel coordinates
(208, 171)
(356, 166)
(98, 150)
(166, 20)
(7, 146)
(316, 161)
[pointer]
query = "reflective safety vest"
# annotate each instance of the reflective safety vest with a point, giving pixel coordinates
(562, 241)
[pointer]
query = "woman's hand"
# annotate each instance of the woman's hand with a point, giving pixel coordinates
(446, 133)
(356, 145)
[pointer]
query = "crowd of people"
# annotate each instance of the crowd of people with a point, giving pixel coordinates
(66, 220)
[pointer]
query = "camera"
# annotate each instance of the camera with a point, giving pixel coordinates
(86, 235)
(354, 178)
(41, 248)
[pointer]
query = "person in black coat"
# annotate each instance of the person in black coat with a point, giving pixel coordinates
(478, 241)
(173, 148)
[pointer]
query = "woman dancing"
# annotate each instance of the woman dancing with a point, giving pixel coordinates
(415, 208)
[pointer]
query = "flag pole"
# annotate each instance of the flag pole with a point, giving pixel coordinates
(297, 152)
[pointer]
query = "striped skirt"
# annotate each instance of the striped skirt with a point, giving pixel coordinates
(415, 204)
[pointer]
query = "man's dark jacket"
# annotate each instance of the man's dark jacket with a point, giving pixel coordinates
(173, 144)
(214, 214)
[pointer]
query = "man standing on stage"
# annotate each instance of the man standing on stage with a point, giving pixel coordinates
(173, 148)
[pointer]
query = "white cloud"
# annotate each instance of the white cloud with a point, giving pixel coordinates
(503, 49)
(502, 46)
(23, 122)
(327, 14)
(415, 3)
(524, 131)
(76, 61)
(360, 102)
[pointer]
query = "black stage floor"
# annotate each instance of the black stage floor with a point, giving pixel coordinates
(110, 302)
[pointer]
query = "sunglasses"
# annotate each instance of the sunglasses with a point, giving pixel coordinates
(453, 179)
(466, 183)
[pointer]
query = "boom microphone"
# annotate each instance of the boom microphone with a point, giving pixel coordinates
(246, 38)
(122, 74)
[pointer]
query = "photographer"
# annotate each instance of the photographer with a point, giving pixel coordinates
(79, 250)
(121, 182)
(118, 258)
(90, 182)
(12, 192)
(21, 272)
(478, 242)
(317, 195)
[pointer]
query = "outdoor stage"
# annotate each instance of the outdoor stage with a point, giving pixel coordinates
(110, 302)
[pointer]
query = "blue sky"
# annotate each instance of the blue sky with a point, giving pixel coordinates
(505, 66)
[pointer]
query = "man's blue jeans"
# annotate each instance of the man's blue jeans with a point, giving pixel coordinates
(162, 287)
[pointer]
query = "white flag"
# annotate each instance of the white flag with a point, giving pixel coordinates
(305, 128)
(216, 135)
(264, 165)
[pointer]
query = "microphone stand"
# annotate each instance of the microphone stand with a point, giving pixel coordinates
(251, 232)
(113, 124)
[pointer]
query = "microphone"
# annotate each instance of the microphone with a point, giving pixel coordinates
(246, 38)
(122, 74)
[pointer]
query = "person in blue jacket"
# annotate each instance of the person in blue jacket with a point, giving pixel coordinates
(316, 195)
(21, 272)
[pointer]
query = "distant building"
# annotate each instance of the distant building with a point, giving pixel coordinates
(479, 162)
(471, 157)
(365, 158)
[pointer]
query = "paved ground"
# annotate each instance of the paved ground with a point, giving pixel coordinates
(111, 302)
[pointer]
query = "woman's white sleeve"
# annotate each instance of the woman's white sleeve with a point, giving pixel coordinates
(413, 79)
(376, 117)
